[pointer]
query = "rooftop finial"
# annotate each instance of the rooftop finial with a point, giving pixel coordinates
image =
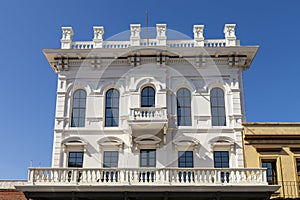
(229, 31)
(67, 35)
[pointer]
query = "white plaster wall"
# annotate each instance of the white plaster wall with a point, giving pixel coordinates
(166, 81)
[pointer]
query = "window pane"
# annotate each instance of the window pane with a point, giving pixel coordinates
(214, 112)
(222, 121)
(221, 101)
(76, 94)
(76, 112)
(81, 113)
(151, 102)
(151, 162)
(76, 103)
(151, 92)
(109, 102)
(115, 102)
(214, 102)
(82, 103)
(187, 112)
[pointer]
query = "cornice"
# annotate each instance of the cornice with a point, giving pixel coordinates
(62, 59)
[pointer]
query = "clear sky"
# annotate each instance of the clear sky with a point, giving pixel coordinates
(28, 84)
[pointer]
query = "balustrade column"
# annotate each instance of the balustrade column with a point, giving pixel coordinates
(264, 176)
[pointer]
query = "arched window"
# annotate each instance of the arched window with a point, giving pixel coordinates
(184, 107)
(112, 108)
(148, 97)
(217, 105)
(78, 108)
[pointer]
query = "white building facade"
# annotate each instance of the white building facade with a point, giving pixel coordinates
(149, 113)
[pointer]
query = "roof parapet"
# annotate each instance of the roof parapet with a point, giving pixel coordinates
(160, 40)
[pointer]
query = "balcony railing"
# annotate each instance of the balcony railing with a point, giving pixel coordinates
(147, 176)
(151, 42)
(148, 114)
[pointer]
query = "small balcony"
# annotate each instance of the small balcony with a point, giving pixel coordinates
(149, 120)
(147, 176)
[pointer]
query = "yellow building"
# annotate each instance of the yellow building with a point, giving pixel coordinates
(275, 146)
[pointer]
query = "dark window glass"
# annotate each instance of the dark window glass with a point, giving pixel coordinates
(221, 159)
(217, 105)
(112, 108)
(148, 158)
(110, 159)
(148, 97)
(298, 168)
(185, 159)
(78, 108)
(75, 159)
(271, 171)
(184, 107)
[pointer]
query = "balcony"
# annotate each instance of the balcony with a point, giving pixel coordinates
(149, 120)
(147, 183)
(147, 176)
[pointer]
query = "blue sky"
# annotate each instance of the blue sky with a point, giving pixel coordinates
(28, 84)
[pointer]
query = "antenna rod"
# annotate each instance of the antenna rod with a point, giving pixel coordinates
(147, 33)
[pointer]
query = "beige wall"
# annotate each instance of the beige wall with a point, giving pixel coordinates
(275, 141)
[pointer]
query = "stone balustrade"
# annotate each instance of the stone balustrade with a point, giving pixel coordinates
(160, 40)
(148, 113)
(148, 176)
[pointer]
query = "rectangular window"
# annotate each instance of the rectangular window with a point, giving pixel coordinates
(271, 171)
(221, 159)
(75, 159)
(185, 159)
(298, 168)
(110, 159)
(148, 158)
